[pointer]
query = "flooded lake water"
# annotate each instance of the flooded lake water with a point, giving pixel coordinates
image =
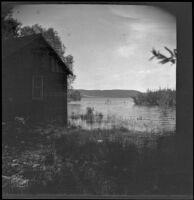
(122, 112)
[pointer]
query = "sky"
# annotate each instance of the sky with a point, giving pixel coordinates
(111, 44)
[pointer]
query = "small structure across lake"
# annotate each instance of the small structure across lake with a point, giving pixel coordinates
(34, 80)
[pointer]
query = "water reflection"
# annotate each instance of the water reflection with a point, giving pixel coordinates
(119, 112)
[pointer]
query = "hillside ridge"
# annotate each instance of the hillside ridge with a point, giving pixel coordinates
(115, 93)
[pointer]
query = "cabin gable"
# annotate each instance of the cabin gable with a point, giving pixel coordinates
(35, 82)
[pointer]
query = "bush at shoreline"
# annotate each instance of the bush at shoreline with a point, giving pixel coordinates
(161, 97)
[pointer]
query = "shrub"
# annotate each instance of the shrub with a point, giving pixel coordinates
(161, 97)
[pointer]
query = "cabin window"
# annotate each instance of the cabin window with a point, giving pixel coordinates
(37, 87)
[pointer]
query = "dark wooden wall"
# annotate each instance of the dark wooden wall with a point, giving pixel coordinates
(18, 70)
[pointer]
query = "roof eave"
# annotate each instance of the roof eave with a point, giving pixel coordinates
(69, 72)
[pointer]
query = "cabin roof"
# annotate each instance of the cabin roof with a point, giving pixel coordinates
(11, 46)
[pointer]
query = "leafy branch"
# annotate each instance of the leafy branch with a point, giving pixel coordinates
(164, 59)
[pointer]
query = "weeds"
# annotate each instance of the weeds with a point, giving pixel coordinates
(76, 161)
(161, 97)
(92, 119)
(90, 116)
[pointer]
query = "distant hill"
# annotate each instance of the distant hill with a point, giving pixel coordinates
(109, 93)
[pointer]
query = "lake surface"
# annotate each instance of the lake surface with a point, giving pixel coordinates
(122, 112)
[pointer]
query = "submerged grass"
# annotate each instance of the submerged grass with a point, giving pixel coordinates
(92, 119)
(90, 116)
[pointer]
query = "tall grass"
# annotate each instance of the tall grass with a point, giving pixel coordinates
(161, 97)
(76, 161)
(90, 116)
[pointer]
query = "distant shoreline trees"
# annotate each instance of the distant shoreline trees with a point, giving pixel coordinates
(74, 95)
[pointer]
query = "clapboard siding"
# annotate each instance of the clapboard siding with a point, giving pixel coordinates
(19, 68)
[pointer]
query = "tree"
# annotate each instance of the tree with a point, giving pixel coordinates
(6, 10)
(69, 62)
(10, 27)
(164, 59)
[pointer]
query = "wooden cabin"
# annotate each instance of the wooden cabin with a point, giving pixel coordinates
(34, 80)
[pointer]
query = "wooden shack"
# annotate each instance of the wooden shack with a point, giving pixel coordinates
(34, 80)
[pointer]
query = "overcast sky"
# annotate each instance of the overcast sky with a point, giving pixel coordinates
(110, 44)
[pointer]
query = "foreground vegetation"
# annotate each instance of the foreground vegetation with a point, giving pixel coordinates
(51, 159)
(161, 97)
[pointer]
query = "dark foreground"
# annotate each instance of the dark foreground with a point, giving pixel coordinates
(52, 160)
